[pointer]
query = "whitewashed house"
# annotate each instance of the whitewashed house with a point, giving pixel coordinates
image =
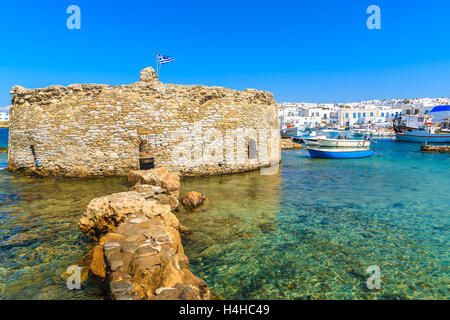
(387, 114)
(357, 116)
(4, 116)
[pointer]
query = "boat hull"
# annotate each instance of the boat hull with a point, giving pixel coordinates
(340, 153)
(312, 141)
(432, 138)
(287, 132)
(343, 143)
(297, 139)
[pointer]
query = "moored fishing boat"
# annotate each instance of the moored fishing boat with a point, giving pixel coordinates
(297, 139)
(382, 134)
(339, 153)
(342, 143)
(290, 130)
(312, 141)
(374, 133)
(420, 128)
(423, 136)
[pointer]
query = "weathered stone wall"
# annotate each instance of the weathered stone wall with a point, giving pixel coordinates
(432, 148)
(101, 130)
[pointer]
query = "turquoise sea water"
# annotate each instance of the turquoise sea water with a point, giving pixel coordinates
(308, 232)
(39, 236)
(311, 231)
(4, 144)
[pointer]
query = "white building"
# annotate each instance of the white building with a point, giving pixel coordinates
(4, 116)
(356, 116)
(389, 114)
(357, 113)
(299, 121)
(439, 114)
(324, 114)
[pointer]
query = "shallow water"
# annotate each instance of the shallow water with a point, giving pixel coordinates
(39, 236)
(4, 144)
(309, 232)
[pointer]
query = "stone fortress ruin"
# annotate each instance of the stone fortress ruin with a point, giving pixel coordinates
(100, 130)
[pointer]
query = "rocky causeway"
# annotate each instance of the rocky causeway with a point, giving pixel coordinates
(139, 250)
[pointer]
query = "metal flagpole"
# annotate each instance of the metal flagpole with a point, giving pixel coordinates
(157, 63)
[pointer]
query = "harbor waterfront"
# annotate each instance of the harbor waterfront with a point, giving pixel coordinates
(308, 232)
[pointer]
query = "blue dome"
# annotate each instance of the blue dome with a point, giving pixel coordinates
(440, 108)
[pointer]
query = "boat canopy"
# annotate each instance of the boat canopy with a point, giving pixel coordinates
(440, 108)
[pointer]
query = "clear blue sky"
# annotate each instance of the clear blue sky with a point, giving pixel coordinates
(318, 51)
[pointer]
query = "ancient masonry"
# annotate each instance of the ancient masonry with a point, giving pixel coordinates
(438, 149)
(101, 130)
(287, 144)
(139, 249)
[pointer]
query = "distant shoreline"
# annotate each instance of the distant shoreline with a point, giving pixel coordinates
(4, 124)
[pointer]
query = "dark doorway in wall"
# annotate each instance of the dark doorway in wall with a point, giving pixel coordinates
(146, 162)
(33, 152)
(252, 152)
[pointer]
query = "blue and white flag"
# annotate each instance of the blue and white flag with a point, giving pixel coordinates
(164, 59)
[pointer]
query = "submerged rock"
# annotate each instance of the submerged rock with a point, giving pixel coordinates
(153, 262)
(3, 150)
(104, 214)
(431, 148)
(193, 199)
(97, 265)
(84, 263)
(159, 177)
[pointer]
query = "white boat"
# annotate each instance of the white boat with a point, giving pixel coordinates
(313, 141)
(340, 153)
(424, 135)
(373, 133)
(382, 134)
(419, 128)
(291, 131)
(342, 143)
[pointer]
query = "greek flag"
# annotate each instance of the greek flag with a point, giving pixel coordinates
(164, 59)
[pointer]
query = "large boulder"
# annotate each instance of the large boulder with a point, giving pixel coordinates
(287, 144)
(160, 177)
(157, 193)
(193, 199)
(97, 265)
(149, 263)
(104, 214)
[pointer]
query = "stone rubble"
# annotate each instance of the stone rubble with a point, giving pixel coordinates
(287, 144)
(140, 251)
(439, 149)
